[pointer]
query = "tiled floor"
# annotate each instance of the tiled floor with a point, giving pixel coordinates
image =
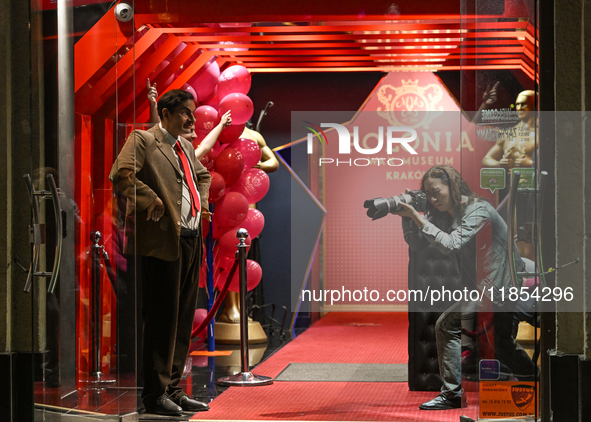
(123, 396)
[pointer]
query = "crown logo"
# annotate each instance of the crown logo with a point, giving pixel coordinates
(410, 104)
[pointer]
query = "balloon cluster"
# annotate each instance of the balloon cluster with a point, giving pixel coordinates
(235, 182)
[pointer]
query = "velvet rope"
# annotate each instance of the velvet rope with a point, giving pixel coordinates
(217, 302)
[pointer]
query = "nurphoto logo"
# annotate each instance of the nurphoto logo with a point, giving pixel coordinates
(345, 137)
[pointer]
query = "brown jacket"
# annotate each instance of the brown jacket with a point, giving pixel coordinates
(157, 174)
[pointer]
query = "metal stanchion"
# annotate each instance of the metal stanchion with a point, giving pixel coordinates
(244, 378)
(97, 378)
(210, 286)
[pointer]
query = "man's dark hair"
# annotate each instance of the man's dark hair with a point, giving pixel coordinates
(172, 99)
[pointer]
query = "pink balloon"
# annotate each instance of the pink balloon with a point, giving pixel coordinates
(234, 79)
(206, 118)
(254, 185)
(231, 133)
(230, 164)
(192, 91)
(254, 222)
(206, 79)
(212, 99)
(228, 241)
(217, 188)
(200, 315)
(231, 209)
(250, 150)
(254, 274)
(240, 105)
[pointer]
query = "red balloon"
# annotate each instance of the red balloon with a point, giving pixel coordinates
(219, 147)
(230, 164)
(240, 105)
(250, 150)
(218, 230)
(224, 262)
(254, 185)
(206, 118)
(206, 79)
(253, 223)
(234, 79)
(205, 228)
(231, 209)
(208, 159)
(217, 188)
(228, 241)
(231, 133)
(254, 274)
(203, 276)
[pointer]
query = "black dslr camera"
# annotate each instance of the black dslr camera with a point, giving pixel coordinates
(380, 207)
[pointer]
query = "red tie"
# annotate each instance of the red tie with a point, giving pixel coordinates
(195, 205)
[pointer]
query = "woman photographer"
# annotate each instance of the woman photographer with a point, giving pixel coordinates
(459, 223)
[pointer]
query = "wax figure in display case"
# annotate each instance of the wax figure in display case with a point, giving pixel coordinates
(516, 147)
(166, 190)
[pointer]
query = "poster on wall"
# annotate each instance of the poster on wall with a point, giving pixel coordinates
(407, 125)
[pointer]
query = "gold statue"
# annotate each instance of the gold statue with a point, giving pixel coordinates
(517, 145)
(268, 164)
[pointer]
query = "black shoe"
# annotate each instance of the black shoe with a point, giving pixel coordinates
(189, 404)
(442, 403)
(164, 406)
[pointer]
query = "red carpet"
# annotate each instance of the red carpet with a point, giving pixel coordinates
(337, 338)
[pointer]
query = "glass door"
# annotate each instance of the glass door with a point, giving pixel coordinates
(499, 161)
(86, 363)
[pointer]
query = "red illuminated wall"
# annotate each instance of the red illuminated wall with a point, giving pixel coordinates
(363, 254)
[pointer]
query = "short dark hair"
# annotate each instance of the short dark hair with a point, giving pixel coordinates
(172, 99)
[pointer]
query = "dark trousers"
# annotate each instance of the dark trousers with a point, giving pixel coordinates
(448, 331)
(169, 294)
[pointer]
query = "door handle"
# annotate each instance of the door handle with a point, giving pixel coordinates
(35, 234)
(57, 210)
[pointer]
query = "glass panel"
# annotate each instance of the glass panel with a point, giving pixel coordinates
(89, 363)
(500, 335)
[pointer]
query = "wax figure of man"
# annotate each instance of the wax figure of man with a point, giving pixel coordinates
(516, 146)
(208, 142)
(167, 191)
